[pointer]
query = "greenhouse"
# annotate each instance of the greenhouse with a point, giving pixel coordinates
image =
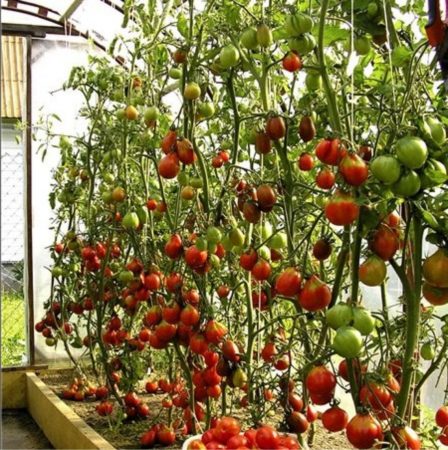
(224, 224)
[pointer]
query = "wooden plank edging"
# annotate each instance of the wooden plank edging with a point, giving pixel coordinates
(60, 424)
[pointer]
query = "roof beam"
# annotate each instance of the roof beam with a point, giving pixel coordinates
(70, 10)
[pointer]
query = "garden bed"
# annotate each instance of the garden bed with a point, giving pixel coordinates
(127, 435)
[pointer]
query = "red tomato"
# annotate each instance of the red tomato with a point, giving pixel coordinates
(311, 413)
(169, 166)
(262, 143)
(325, 179)
(248, 259)
(237, 441)
(151, 387)
(174, 247)
(363, 431)
(341, 209)
(165, 331)
(166, 436)
(297, 422)
(185, 151)
(169, 141)
(211, 358)
(353, 169)
(174, 282)
(305, 162)
(215, 331)
(322, 249)
(442, 417)
(198, 344)
(375, 395)
(153, 316)
(384, 242)
(275, 127)
(230, 351)
(171, 313)
(148, 439)
(189, 316)
(226, 428)
(320, 380)
(295, 402)
(152, 282)
(261, 270)
(330, 151)
(288, 282)
(267, 438)
(407, 438)
(315, 294)
(292, 62)
(335, 419)
(269, 352)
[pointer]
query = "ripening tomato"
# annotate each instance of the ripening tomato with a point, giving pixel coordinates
(226, 428)
(341, 209)
(185, 151)
(189, 316)
(375, 395)
(262, 143)
(251, 212)
(192, 297)
(211, 358)
(297, 422)
(295, 402)
(151, 387)
(152, 282)
(335, 419)
(353, 169)
(194, 257)
(164, 331)
(305, 162)
(153, 316)
(180, 56)
(261, 270)
(171, 313)
(169, 141)
(384, 242)
(435, 269)
(223, 291)
(322, 249)
(166, 435)
(315, 294)
(230, 351)
(148, 439)
(291, 62)
(198, 344)
(288, 282)
(282, 363)
(325, 179)
(363, 431)
(215, 331)
(307, 129)
(373, 271)
(248, 259)
(268, 352)
(237, 442)
(407, 438)
(266, 197)
(174, 282)
(169, 166)
(330, 151)
(365, 152)
(320, 380)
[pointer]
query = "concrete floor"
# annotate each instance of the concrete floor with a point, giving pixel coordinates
(19, 431)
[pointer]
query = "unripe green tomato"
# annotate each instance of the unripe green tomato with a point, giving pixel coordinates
(408, 184)
(348, 342)
(192, 91)
(237, 237)
(372, 9)
(117, 95)
(107, 197)
(249, 39)
(50, 342)
(214, 261)
(363, 321)
(229, 56)
(207, 109)
(362, 45)
(214, 235)
(313, 81)
(339, 315)
(125, 276)
(142, 213)
(427, 351)
(266, 230)
(183, 178)
(264, 252)
(151, 113)
(264, 35)
(201, 243)
(212, 247)
(227, 243)
(57, 271)
(237, 250)
(120, 114)
(175, 74)
(197, 182)
(131, 221)
(278, 241)
(108, 177)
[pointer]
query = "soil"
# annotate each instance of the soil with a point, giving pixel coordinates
(128, 434)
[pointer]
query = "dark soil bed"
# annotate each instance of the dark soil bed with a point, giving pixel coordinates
(127, 435)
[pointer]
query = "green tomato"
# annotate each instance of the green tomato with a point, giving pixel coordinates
(207, 109)
(214, 261)
(192, 91)
(239, 378)
(412, 151)
(362, 45)
(278, 241)
(339, 315)
(408, 185)
(214, 235)
(363, 321)
(249, 39)
(107, 197)
(264, 252)
(125, 276)
(197, 182)
(201, 243)
(175, 74)
(427, 351)
(57, 271)
(152, 113)
(212, 247)
(266, 230)
(264, 35)
(386, 168)
(142, 213)
(347, 342)
(131, 221)
(229, 56)
(50, 342)
(303, 44)
(372, 9)
(438, 132)
(227, 243)
(313, 81)
(237, 237)
(120, 114)
(298, 24)
(434, 174)
(183, 178)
